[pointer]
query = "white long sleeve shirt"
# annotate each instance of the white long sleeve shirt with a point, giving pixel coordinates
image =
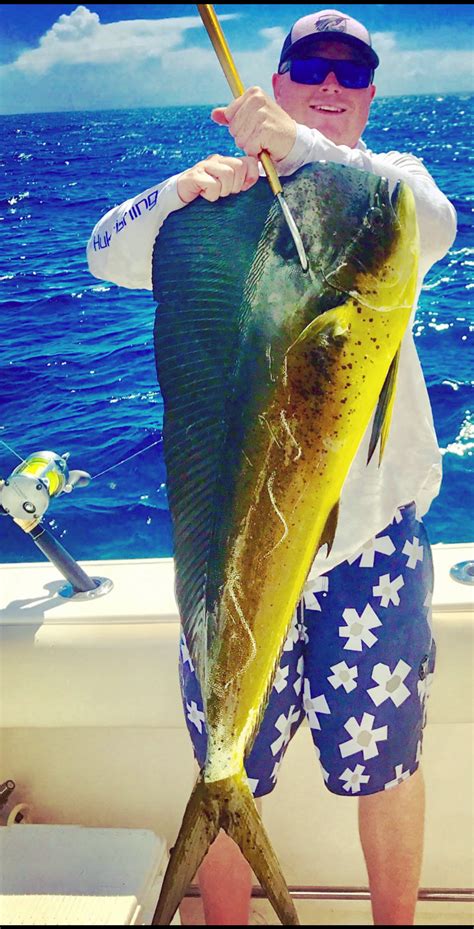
(120, 250)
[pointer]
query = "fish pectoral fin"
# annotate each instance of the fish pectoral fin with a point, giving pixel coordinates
(227, 804)
(383, 413)
(329, 531)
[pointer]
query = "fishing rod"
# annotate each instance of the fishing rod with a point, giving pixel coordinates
(216, 35)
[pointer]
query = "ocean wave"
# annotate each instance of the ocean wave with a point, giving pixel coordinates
(77, 355)
(463, 444)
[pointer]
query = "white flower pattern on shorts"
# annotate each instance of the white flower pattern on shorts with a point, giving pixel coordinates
(357, 663)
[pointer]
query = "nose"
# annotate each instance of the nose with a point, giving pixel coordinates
(330, 83)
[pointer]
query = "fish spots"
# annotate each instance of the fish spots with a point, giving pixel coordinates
(313, 368)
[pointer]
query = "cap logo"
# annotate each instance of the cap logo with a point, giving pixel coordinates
(331, 24)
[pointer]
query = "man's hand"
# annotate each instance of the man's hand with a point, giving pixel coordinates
(217, 176)
(256, 122)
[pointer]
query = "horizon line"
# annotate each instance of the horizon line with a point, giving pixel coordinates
(177, 106)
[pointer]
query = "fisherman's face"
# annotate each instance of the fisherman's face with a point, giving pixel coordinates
(340, 113)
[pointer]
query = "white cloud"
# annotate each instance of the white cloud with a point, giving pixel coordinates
(420, 71)
(80, 38)
(275, 35)
(83, 64)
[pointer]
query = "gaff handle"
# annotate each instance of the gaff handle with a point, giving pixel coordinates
(223, 53)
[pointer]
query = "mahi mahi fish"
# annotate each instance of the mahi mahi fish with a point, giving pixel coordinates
(270, 377)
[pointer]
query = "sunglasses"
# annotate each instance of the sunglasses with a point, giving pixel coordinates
(351, 74)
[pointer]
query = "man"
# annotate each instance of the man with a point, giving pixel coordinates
(362, 685)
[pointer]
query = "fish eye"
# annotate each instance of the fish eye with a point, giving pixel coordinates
(374, 217)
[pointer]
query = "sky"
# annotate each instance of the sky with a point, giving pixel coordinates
(61, 56)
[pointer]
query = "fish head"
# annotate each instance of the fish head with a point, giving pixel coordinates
(361, 240)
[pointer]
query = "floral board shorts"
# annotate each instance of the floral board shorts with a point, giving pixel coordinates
(357, 665)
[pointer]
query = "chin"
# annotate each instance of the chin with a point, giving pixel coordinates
(334, 133)
(331, 133)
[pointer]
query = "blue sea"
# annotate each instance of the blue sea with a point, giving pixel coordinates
(76, 354)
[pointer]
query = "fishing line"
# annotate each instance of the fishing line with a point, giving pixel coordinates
(129, 457)
(100, 473)
(10, 449)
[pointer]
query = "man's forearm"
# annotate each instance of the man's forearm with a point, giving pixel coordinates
(121, 244)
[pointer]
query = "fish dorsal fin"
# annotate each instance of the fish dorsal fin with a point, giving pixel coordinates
(383, 412)
(197, 327)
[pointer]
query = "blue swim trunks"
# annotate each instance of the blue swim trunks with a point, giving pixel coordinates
(357, 665)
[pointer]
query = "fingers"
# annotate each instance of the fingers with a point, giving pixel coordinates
(252, 172)
(217, 176)
(229, 175)
(256, 123)
(243, 117)
(219, 116)
(240, 118)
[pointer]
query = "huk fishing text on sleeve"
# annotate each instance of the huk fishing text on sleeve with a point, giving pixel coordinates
(103, 240)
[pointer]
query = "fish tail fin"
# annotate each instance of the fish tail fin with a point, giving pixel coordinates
(199, 828)
(227, 804)
(244, 825)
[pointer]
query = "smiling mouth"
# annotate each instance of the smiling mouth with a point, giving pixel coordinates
(327, 108)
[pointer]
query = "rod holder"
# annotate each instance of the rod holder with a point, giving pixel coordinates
(80, 585)
(463, 572)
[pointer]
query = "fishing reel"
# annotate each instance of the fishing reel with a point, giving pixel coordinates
(27, 492)
(26, 495)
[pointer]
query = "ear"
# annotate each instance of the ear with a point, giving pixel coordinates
(373, 91)
(276, 81)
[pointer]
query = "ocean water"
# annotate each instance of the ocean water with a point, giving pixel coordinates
(77, 368)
